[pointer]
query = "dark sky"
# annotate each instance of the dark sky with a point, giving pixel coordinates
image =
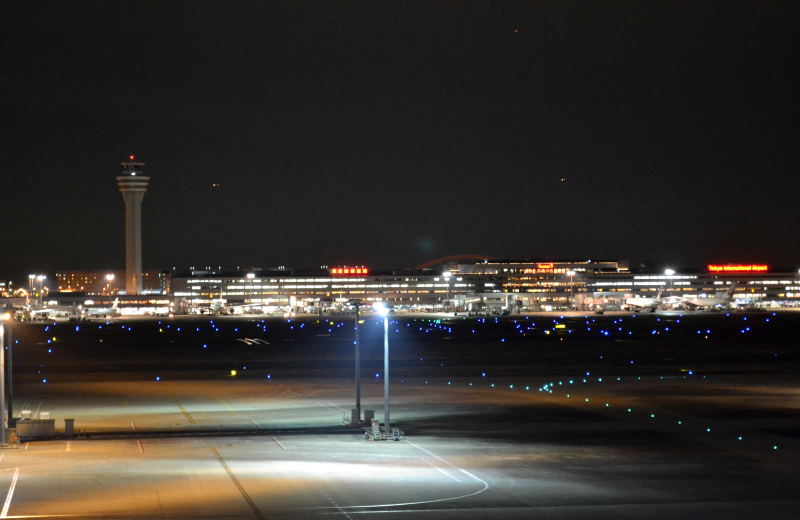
(391, 133)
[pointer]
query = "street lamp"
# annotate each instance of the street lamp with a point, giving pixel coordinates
(41, 279)
(7, 319)
(250, 277)
(31, 278)
(447, 275)
(384, 311)
(669, 272)
(2, 383)
(571, 274)
(357, 420)
(109, 279)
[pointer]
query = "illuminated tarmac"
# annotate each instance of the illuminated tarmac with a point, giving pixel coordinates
(524, 444)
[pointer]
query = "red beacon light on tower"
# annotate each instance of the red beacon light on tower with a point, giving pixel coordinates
(349, 271)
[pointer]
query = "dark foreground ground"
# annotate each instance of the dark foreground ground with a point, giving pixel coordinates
(652, 416)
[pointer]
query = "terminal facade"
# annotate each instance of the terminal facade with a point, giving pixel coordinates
(523, 285)
(455, 285)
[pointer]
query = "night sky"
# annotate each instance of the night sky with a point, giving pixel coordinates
(391, 133)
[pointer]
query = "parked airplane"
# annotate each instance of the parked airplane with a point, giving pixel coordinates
(221, 306)
(642, 304)
(103, 311)
(710, 302)
(217, 306)
(51, 311)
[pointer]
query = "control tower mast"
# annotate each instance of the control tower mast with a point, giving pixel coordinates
(132, 184)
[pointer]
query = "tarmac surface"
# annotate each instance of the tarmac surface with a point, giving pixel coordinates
(562, 425)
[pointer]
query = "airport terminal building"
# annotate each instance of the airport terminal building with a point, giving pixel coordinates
(523, 285)
(454, 285)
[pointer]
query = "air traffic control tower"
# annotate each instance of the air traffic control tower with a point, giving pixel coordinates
(132, 184)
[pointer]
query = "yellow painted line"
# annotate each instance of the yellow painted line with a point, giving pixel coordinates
(239, 486)
(223, 402)
(184, 411)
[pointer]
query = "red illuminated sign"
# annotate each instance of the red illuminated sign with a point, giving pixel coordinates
(750, 268)
(545, 266)
(349, 271)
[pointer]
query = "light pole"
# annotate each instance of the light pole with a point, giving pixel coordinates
(250, 277)
(384, 311)
(7, 319)
(571, 297)
(669, 273)
(31, 278)
(109, 279)
(2, 384)
(358, 367)
(447, 275)
(41, 279)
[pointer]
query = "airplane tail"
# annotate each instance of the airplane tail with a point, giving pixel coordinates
(658, 297)
(731, 289)
(116, 302)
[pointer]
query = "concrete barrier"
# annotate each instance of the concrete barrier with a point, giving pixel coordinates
(36, 429)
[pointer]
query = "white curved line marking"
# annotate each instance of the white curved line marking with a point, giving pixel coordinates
(465, 472)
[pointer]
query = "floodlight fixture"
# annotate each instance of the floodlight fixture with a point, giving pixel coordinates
(381, 309)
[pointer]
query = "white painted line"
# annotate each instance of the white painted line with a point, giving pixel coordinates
(440, 470)
(364, 509)
(278, 443)
(342, 409)
(26, 446)
(10, 494)
(465, 472)
(1, 456)
(133, 426)
(252, 421)
(337, 506)
(322, 405)
(141, 448)
(69, 445)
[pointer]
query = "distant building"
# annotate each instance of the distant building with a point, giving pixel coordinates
(98, 283)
